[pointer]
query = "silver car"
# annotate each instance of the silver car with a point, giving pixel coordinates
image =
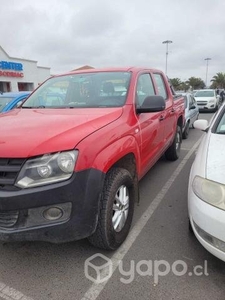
(191, 113)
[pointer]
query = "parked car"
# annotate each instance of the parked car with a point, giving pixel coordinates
(9, 100)
(70, 170)
(207, 100)
(194, 92)
(206, 192)
(191, 113)
(180, 92)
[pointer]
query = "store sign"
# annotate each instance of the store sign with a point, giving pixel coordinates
(14, 67)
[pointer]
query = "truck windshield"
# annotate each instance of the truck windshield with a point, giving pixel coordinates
(87, 90)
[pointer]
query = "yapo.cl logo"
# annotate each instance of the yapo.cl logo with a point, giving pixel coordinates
(98, 268)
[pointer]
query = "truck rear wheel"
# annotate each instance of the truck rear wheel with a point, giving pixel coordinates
(116, 210)
(173, 152)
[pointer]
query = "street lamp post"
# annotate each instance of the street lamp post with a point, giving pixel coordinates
(167, 42)
(207, 65)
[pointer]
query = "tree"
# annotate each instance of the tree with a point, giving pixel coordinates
(218, 81)
(176, 83)
(195, 83)
(184, 87)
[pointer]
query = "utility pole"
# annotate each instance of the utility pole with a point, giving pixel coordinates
(207, 64)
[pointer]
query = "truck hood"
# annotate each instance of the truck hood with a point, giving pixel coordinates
(31, 132)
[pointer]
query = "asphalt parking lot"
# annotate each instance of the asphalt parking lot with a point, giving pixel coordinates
(160, 259)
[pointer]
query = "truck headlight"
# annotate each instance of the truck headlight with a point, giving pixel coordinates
(49, 168)
(212, 101)
(209, 191)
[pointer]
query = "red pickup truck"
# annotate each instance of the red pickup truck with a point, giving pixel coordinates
(72, 155)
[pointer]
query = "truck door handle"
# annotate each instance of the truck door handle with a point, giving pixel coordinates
(161, 118)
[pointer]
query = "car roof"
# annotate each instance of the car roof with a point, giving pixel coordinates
(113, 69)
(14, 94)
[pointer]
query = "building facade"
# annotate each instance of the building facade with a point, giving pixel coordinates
(17, 74)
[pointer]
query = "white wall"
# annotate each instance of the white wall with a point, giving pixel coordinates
(32, 73)
(43, 74)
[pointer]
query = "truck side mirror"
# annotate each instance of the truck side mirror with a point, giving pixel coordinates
(152, 104)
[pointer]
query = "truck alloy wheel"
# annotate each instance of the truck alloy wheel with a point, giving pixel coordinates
(116, 210)
(120, 208)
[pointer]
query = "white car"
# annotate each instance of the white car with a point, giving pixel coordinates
(191, 113)
(206, 191)
(207, 100)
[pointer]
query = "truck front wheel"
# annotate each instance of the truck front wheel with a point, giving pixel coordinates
(173, 152)
(116, 210)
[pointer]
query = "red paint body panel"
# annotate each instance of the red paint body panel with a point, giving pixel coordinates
(102, 135)
(32, 132)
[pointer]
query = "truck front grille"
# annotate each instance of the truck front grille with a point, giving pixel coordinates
(9, 170)
(8, 218)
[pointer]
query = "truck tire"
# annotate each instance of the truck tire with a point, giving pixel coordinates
(173, 152)
(116, 210)
(186, 131)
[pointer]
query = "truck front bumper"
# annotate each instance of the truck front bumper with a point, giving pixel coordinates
(61, 212)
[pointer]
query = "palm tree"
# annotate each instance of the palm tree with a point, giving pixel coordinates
(218, 80)
(176, 82)
(195, 83)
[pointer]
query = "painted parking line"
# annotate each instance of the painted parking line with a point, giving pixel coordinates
(9, 293)
(95, 289)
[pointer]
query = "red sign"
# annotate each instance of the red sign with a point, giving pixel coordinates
(11, 74)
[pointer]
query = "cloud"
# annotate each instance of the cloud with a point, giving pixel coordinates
(67, 34)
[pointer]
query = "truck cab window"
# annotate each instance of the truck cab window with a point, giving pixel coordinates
(171, 87)
(144, 88)
(160, 85)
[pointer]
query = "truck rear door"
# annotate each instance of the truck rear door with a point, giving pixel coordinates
(170, 113)
(150, 124)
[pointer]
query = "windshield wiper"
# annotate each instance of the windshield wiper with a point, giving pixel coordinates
(40, 106)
